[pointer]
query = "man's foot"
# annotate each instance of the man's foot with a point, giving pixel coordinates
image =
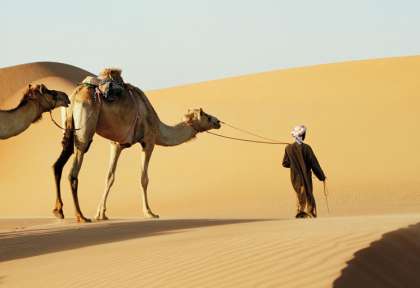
(302, 214)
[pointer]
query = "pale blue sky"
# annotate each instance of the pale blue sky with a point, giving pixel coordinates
(161, 43)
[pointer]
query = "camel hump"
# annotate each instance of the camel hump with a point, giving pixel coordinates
(93, 81)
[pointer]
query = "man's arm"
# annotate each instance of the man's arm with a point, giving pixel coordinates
(316, 168)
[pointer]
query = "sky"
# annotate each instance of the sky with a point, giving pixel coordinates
(165, 43)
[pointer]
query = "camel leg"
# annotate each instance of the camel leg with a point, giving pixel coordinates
(58, 169)
(68, 149)
(85, 120)
(144, 183)
(113, 160)
(74, 181)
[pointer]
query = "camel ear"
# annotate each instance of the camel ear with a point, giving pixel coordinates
(201, 112)
(30, 91)
(189, 116)
(41, 88)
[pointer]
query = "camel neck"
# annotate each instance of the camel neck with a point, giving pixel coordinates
(175, 135)
(15, 121)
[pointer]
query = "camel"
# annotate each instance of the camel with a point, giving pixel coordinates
(128, 120)
(36, 100)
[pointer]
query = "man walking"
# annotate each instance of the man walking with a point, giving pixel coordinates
(301, 160)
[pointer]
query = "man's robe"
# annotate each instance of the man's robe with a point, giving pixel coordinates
(302, 161)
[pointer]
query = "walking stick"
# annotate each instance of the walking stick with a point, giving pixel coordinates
(326, 195)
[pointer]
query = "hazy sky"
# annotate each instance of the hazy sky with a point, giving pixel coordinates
(161, 43)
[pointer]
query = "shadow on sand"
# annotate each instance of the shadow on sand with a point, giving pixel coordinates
(392, 261)
(27, 244)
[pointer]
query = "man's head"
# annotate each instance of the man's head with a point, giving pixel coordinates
(299, 133)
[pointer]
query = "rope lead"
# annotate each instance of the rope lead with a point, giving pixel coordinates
(247, 140)
(270, 141)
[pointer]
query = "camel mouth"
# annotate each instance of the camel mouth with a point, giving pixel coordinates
(66, 101)
(63, 103)
(61, 99)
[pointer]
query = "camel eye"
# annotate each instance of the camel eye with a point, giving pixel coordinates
(209, 118)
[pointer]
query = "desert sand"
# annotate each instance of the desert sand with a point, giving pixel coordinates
(227, 207)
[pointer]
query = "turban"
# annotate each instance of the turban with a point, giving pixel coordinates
(298, 132)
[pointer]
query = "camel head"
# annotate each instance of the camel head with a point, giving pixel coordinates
(200, 120)
(48, 99)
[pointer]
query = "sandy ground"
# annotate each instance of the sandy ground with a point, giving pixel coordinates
(227, 207)
(365, 251)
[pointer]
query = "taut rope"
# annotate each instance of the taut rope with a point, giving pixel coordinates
(270, 141)
(248, 132)
(247, 140)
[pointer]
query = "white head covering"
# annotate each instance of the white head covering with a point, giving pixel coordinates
(298, 132)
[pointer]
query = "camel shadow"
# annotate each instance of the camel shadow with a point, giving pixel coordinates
(392, 261)
(43, 241)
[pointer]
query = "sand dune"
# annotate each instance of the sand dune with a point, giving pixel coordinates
(15, 79)
(362, 117)
(216, 253)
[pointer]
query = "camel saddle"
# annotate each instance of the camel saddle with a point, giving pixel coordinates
(107, 89)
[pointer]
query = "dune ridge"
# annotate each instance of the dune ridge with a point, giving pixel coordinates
(14, 79)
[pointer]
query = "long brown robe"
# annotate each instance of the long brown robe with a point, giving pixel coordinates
(302, 161)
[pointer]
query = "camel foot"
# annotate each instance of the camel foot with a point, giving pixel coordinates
(101, 217)
(151, 215)
(58, 213)
(82, 219)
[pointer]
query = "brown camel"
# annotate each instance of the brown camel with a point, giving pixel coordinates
(36, 100)
(127, 120)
